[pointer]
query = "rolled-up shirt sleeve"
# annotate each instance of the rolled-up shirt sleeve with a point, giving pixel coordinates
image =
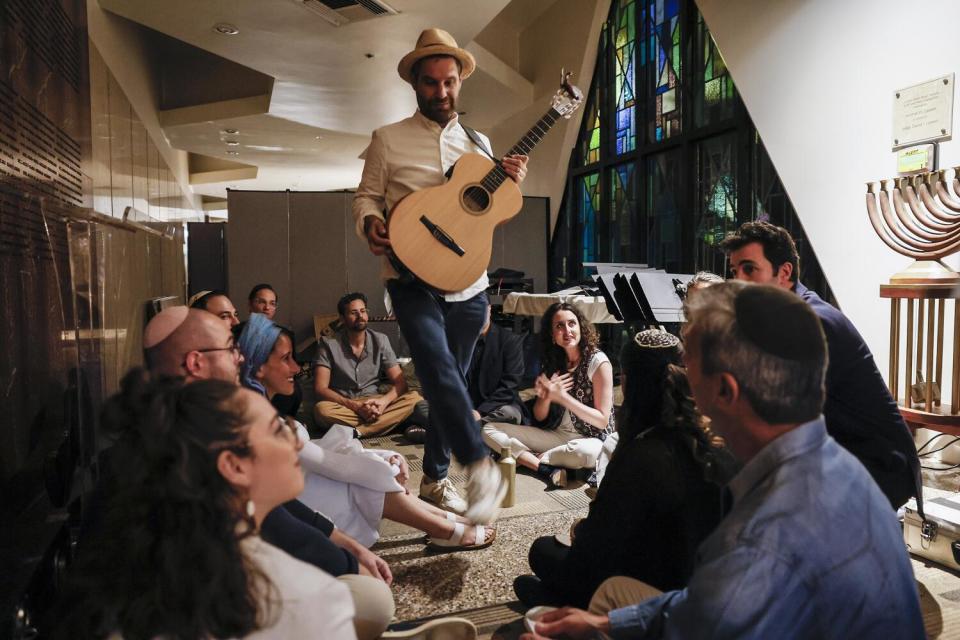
(370, 199)
(729, 597)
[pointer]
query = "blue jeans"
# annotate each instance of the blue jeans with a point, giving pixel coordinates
(441, 336)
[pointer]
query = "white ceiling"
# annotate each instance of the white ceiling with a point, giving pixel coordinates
(328, 94)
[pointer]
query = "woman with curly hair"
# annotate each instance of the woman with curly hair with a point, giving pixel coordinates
(197, 467)
(574, 405)
(660, 496)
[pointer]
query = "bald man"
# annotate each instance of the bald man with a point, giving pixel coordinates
(193, 343)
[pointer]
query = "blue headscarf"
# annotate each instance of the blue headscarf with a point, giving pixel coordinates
(256, 343)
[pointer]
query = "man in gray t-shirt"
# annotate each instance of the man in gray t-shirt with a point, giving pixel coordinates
(357, 377)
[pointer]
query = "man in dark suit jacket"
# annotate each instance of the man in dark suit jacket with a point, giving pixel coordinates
(860, 412)
(496, 371)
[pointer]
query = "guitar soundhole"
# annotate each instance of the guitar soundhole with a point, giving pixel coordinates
(476, 199)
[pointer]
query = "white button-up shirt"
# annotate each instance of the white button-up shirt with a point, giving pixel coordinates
(407, 156)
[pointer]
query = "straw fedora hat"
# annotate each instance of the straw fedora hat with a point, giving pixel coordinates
(436, 42)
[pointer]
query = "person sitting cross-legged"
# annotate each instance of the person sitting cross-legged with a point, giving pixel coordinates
(574, 405)
(357, 376)
(782, 563)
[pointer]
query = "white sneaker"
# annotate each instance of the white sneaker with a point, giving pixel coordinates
(443, 494)
(485, 491)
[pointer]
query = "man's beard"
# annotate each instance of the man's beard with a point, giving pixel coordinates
(437, 110)
(357, 327)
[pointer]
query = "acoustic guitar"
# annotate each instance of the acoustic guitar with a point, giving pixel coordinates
(444, 235)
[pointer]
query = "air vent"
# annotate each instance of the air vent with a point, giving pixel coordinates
(340, 12)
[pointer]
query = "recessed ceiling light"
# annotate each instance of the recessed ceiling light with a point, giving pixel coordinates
(230, 132)
(226, 29)
(232, 143)
(318, 137)
(232, 153)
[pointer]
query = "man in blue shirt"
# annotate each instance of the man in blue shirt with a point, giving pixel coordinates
(810, 547)
(860, 412)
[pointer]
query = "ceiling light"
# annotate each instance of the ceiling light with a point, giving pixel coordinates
(230, 132)
(232, 143)
(226, 29)
(232, 153)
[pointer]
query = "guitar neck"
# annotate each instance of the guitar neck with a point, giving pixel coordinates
(497, 175)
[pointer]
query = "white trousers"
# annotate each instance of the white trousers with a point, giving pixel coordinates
(562, 447)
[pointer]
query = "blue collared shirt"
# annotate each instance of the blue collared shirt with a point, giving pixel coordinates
(811, 549)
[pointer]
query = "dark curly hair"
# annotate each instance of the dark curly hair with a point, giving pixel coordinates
(657, 395)
(778, 245)
(553, 358)
(165, 560)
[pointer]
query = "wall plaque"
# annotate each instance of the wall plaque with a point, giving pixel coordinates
(923, 112)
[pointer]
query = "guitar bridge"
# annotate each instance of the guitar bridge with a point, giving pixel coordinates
(442, 236)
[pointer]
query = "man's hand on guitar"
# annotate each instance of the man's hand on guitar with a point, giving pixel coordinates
(516, 167)
(377, 237)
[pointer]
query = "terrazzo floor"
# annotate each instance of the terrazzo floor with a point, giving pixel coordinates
(478, 584)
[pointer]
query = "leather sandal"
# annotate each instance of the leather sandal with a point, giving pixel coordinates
(455, 542)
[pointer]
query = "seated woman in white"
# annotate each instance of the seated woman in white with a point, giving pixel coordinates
(353, 487)
(574, 405)
(195, 469)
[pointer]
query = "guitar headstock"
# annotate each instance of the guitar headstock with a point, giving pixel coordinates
(568, 97)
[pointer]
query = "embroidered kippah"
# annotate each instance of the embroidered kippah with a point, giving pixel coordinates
(780, 323)
(197, 296)
(656, 339)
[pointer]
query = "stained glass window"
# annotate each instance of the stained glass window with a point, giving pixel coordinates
(624, 76)
(664, 176)
(716, 213)
(623, 210)
(661, 60)
(588, 194)
(714, 99)
(658, 174)
(588, 147)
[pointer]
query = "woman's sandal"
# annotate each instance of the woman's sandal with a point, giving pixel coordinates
(455, 542)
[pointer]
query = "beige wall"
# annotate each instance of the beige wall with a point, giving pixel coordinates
(133, 165)
(565, 36)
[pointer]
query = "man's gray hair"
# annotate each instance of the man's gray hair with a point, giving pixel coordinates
(781, 390)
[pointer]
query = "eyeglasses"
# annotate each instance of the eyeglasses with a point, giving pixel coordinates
(234, 348)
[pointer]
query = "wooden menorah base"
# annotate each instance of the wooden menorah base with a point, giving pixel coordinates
(926, 272)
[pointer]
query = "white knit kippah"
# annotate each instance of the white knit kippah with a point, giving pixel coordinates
(656, 339)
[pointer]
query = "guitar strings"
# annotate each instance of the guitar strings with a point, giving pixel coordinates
(496, 176)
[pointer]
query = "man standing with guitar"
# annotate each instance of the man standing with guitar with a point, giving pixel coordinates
(441, 328)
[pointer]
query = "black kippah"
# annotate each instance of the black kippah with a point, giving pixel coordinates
(780, 323)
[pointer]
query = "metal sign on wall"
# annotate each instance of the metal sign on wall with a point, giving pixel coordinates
(923, 112)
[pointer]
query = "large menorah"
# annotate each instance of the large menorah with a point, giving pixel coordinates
(919, 217)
